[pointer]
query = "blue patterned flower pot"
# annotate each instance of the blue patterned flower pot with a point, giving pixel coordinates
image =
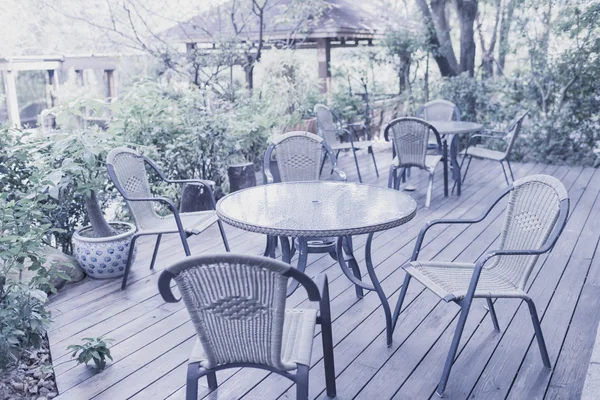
(104, 258)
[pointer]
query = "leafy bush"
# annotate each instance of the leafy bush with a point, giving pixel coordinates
(23, 321)
(182, 131)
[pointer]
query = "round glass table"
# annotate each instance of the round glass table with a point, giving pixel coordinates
(452, 130)
(309, 210)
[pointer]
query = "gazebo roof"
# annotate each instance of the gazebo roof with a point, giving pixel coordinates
(340, 20)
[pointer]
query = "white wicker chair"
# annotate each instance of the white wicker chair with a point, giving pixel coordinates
(127, 170)
(537, 211)
(411, 137)
(237, 305)
(330, 128)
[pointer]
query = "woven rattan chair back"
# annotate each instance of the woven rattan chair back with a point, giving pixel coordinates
(532, 211)
(410, 137)
(299, 156)
(237, 305)
(327, 124)
(440, 110)
(513, 132)
(130, 171)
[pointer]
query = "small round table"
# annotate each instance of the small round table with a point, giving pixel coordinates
(308, 210)
(452, 130)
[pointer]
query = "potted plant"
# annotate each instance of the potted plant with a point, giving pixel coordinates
(76, 153)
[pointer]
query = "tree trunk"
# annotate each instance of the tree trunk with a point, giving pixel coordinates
(438, 9)
(249, 70)
(441, 59)
(467, 11)
(487, 53)
(100, 227)
(503, 46)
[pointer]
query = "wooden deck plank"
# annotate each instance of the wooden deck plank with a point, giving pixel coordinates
(426, 376)
(154, 338)
(223, 389)
(395, 262)
(498, 376)
(399, 365)
(574, 351)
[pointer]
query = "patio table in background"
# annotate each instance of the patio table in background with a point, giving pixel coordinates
(452, 131)
(309, 210)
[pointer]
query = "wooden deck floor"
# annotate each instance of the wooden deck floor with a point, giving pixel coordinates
(153, 339)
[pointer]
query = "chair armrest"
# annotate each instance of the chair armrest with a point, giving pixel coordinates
(484, 136)
(429, 224)
(324, 304)
(164, 287)
(166, 201)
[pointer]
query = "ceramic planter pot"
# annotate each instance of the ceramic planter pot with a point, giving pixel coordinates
(104, 258)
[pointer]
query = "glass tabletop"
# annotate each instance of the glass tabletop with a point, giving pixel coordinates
(316, 209)
(456, 127)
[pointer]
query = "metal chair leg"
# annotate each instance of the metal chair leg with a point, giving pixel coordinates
(492, 311)
(223, 236)
(374, 162)
(512, 177)
(538, 333)
(356, 162)
(457, 173)
(211, 377)
(302, 382)
(399, 178)
(392, 177)
(155, 250)
(454, 346)
(466, 169)
(429, 189)
(400, 301)
(504, 171)
(327, 340)
(128, 265)
(191, 383)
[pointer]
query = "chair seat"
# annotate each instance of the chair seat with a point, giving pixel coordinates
(431, 161)
(193, 223)
(450, 281)
(482, 152)
(347, 145)
(297, 340)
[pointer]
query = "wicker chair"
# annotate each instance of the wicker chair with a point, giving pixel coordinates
(536, 214)
(237, 305)
(410, 137)
(508, 138)
(300, 157)
(127, 170)
(329, 127)
(439, 110)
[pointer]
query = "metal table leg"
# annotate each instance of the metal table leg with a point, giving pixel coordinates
(453, 140)
(286, 256)
(345, 257)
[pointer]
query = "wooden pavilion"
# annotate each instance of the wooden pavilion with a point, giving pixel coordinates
(10, 67)
(342, 23)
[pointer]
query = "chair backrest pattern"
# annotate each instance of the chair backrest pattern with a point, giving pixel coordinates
(532, 212)
(299, 156)
(440, 110)
(327, 124)
(237, 306)
(130, 170)
(410, 137)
